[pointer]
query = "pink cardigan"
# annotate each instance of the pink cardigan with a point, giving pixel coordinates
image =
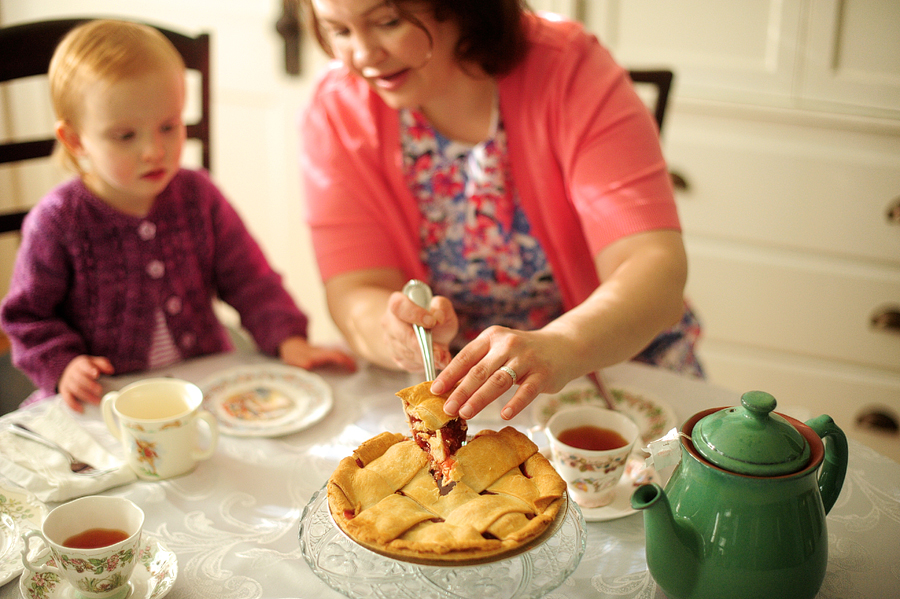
(584, 154)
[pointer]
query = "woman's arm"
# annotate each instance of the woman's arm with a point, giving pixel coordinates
(642, 294)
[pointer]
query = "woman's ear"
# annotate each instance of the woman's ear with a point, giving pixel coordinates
(69, 138)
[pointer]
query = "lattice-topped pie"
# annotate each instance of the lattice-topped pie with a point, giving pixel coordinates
(504, 493)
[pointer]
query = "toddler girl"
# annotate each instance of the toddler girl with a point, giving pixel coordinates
(118, 268)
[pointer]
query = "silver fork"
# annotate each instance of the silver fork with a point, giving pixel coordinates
(76, 466)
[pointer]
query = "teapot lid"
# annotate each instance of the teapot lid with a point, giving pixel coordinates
(751, 439)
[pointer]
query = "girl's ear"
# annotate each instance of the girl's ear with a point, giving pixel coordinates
(69, 138)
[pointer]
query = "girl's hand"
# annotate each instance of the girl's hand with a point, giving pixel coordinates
(78, 382)
(543, 362)
(402, 313)
(296, 351)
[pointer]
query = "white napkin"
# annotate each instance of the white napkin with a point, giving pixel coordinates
(44, 471)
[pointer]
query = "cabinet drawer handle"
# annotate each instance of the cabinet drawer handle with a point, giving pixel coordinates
(893, 212)
(878, 419)
(887, 319)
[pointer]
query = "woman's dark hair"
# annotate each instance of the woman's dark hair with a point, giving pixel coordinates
(492, 32)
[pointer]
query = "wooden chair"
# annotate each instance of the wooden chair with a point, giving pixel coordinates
(26, 50)
(661, 80)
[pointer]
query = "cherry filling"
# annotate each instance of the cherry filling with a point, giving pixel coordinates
(455, 435)
(422, 441)
(452, 436)
(442, 488)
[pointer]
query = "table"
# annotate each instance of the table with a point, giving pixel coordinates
(233, 522)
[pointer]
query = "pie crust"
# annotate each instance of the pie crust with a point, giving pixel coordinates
(385, 498)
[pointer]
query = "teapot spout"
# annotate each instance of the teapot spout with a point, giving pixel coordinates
(673, 548)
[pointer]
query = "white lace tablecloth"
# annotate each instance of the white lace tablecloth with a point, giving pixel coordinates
(233, 522)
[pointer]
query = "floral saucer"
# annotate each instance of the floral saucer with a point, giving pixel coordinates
(653, 416)
(636, 474)
(153, 576)
(22, 510)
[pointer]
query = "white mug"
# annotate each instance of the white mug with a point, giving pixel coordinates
(591, 475)
(158, 424)
(95, 572)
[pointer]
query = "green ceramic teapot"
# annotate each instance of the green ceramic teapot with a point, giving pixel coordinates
(743, 515)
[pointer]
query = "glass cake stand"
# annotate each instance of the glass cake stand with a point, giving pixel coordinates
(359, 573)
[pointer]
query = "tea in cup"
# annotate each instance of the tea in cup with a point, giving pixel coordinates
(94, 542)
(159, 422)
(589, 448)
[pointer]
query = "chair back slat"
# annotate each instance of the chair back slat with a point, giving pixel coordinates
(27, 49)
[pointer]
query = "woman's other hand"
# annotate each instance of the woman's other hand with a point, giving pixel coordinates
(402, 313)
(376, 318)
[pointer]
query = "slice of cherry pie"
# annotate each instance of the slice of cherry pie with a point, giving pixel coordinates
(439, 435)
(386, 497)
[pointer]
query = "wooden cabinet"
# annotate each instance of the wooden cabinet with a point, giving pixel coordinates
(785, 122)
(851, 57)
(832, 56)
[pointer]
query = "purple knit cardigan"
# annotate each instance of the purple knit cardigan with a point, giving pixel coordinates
(90, 280)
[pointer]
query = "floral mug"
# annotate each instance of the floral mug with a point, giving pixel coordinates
(159, 421)
(93, 542)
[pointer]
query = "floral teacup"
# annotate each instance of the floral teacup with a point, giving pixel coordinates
(591, 474)
(109, 526)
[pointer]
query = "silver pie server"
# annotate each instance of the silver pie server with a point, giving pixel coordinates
(420, 293)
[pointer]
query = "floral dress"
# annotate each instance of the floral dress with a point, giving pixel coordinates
(477, 244)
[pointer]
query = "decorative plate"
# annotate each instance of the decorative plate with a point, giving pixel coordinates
(21, 511)
(357, 572)
(266, 400)
(654, 417)
(154, 575)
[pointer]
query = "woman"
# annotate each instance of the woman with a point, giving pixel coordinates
(504, 158)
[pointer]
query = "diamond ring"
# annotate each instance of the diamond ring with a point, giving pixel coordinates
(512, 373)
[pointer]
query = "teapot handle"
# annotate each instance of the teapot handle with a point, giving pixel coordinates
(834, 468)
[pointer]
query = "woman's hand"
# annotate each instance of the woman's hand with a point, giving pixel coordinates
(78, 382)
(402, 313)
(541, 360)
(642, 294)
